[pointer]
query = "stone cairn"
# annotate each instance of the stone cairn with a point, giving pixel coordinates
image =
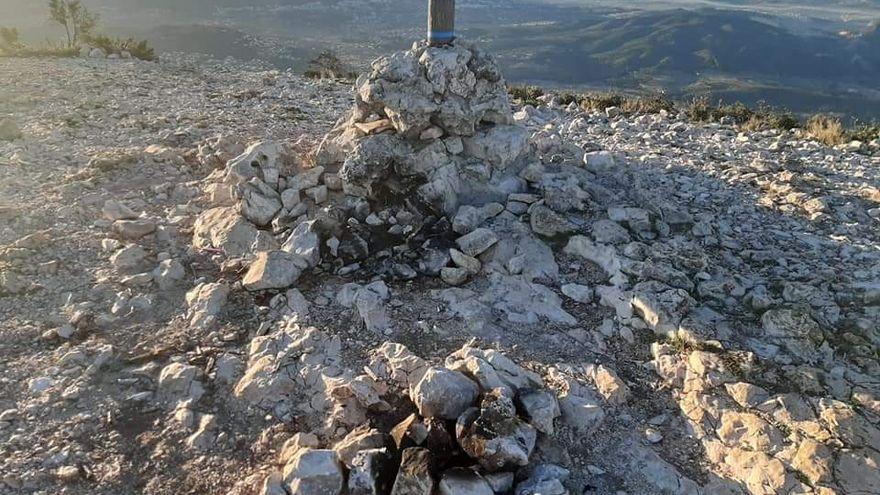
(430, 139)
(432, 123)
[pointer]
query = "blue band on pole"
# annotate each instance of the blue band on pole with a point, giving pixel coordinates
(441, 35)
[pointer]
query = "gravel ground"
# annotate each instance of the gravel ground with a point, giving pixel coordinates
(761, 251)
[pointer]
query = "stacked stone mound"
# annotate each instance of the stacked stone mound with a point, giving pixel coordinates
(431, 130)
(472, 426)
(434, 121)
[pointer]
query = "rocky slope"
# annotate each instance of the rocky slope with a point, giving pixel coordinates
(221, 279)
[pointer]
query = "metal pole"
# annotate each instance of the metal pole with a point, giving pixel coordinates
(441, 22)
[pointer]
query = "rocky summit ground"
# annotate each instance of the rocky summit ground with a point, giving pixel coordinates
(195, 299)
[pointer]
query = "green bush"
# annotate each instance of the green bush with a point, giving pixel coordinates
(701, 109)
(328, 65)
(654, 103)
(9, 37)
(567, 98)
(10, 42)
(865, 132)
(11, 47)
(526, 95)
(598, 102)
(138, 49)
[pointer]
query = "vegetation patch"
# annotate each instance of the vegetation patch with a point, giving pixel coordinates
(328, 65)
(80, 26)
(139, 49)
(826, 129)
(526, 95)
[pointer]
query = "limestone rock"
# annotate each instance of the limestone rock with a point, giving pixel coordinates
(224, 229)
(130, 259)
(444, 393)
(205, 435)
(469, 217)
(581, 411)
(746, 394)
(541, 408)
(285, 370)
(609, 384)
(470, 264)
(178, 382)
(116, 210)
(548, 223)
(205, 302)
(314, 472)
(414, 476)
(133, 230)
(500, 146)
(492, 370)
(600, 254)
(610, 232)
(259, 160)
(463, 482)
(259, 202)
(168, 274)
(794, 330)
(580, 293)
(453, 276)
(546, 479)
(304, 242)
(662, 307)
(370, 304)
(477, 242)
(361, 438)
(368, 468)
(306, 179)
(397, 364)
(274, 270)
(494, 435)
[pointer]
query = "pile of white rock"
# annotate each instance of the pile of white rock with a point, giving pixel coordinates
(428, 151)
(473, 428)
(431, 120)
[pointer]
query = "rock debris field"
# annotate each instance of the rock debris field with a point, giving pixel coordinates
(217, 278)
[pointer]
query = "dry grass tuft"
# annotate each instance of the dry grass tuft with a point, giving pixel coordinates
(826, 129)
(526, 94)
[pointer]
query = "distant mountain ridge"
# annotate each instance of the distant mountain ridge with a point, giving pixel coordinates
(693, 41)
(789, 59)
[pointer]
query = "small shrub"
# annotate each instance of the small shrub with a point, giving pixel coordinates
(328, 65)
(865, 132)
(47, 50)
(138, 49)
(142, 50)
(10, 43)
(567, 98)
(784, 120)
(826, 129)
(526, 95)
(654, 103)
(9, 37)
(699, 109)
(598, 102)
(738, 112)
